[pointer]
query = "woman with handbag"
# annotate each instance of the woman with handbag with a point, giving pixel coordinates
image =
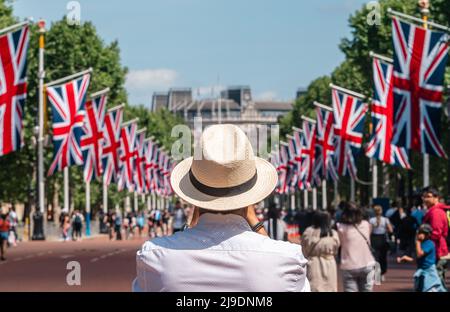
(357, 262)
(381, 227)
(320, 245)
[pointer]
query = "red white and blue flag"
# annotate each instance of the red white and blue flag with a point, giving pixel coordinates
(380, 146)
(68, 103)
(420, 58)
(127, 157)
(308, 153)
(92, 141)
(149, 150)
(13, 88)
(325, 145)
(293, 169)
(349, 114)
(298, 156)
(139, 173)
(111, 145)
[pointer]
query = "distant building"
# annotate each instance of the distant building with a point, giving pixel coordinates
(300, 91)
(235, 105)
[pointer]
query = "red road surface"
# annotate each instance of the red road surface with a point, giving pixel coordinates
(107, 266)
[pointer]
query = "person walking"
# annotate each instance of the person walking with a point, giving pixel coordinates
(436, 217)
(4, 232)
(357, 261)
(14, 223)
(320, 245)
(381, 228)
(426, 278)
(226, 248)
(65, 226)
(274, 225)
(77, 225)
(179, 218)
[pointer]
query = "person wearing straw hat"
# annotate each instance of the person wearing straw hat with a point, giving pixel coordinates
(226, 247)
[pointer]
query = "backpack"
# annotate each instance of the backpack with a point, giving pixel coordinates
(77, 219)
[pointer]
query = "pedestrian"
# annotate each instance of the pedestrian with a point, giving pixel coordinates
(165, 222)
(118, 227)
(357, 261)
(140, 222)
(14, 223)
(179, 218)
(65, 226)
(381, 228)
(111, 224)
(426, 278)
(320, 244)
(274, 225)
(226, 249)
(436, 217)
(407, 232)
(77, 224)
(4, 232)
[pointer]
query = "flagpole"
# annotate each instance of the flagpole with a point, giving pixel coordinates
(324, 194)
(105, 197)
(314, 191)
(135, 206)
(305, 198)
(66, 190)
(88, 208)
(426, 158)
(38, 219)
(374, 179)
(64, 79)
(352, 189)
(16, 26)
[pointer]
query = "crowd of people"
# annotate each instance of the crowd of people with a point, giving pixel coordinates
(8, 231)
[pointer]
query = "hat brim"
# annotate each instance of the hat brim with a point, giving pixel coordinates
(266, 181)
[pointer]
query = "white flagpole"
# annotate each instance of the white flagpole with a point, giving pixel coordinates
(16, 26)
(352, 189)
(149, 205)
(88, 208)
(374, 179)
(66, 190)
(314, 191)
(105, 197)
(135, 206)
(293, 201)
(305, 199)
(64, 79)
(324, 194)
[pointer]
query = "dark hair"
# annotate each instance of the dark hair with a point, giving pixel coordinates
(425, 229)
(351, 213)
(432, 190)
(321, 220)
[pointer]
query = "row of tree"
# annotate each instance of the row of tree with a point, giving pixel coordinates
(70, 49)
(355, 73)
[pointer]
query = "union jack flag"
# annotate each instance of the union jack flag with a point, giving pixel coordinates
(156, 161)
(111, 145)
(139, 174)
(68, 101)
(349, 114)
(149, 150)
(308, 153)
(127, 156)
(420, 57)
(325, 145)
(380, 146)
(298, 156)
(166, 175)
(293, 169)
(92, 141)
(13, 88)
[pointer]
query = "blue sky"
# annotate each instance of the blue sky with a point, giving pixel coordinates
(272, 46)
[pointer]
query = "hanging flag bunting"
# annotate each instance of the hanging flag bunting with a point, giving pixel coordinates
(92, 140)
(420, 58)
(127, 156)
(349, 114)
(382, 110)
(13, 88)
(68, 111)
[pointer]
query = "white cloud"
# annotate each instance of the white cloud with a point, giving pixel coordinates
(266, 96)
(141, 83)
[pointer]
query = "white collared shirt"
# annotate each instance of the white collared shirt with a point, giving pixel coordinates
(220, 254)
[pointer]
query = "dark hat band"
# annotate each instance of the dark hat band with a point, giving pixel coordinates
(223, 191)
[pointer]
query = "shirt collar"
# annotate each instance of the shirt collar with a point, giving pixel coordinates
(216, 220)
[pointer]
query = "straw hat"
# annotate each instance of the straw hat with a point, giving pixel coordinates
(227, 176)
